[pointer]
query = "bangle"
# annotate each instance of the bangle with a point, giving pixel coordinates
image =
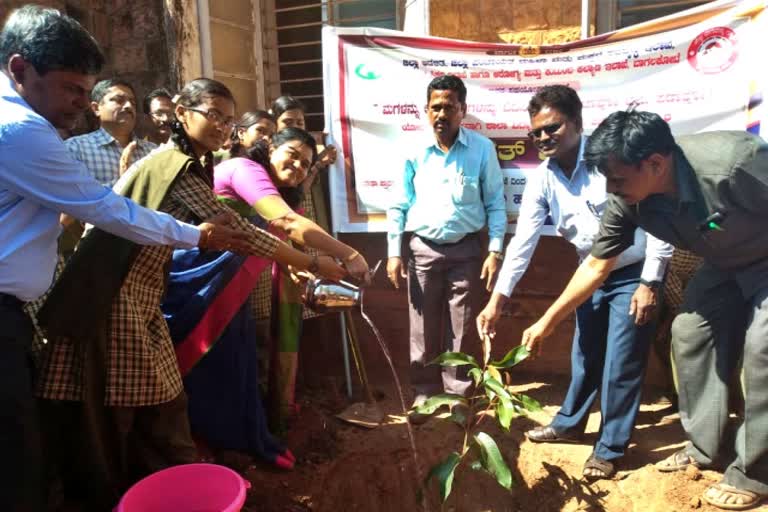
(351, 257)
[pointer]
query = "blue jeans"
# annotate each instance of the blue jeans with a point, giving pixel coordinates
(609, 355)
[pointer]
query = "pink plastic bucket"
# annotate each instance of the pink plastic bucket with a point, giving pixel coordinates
(187, 488)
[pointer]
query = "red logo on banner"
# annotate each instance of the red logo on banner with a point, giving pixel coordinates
(713, 51)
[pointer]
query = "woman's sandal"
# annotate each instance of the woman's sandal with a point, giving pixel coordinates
(678, 461)
(729, 497)
(605, 468)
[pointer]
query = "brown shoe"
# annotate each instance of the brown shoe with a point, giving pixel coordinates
(549, 435)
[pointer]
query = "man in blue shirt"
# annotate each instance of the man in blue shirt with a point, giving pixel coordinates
(610, 348)
(49, 64)
(113, 101)
(451, 189)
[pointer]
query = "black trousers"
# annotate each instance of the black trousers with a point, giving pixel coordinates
(21, 464)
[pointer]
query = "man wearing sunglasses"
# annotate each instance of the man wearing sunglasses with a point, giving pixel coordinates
(707, 193)
(614, 327)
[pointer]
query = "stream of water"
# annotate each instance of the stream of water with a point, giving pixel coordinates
(411, 437)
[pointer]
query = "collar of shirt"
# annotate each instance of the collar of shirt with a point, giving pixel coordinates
(102, 137)
(581, 164)
(460, 138)
(8, 93)
(688, 191)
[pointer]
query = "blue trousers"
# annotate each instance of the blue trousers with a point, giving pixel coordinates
(609, 356)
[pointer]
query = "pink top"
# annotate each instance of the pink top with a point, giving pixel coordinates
(243, 179)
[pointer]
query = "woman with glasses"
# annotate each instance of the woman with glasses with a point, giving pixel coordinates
(134, 415)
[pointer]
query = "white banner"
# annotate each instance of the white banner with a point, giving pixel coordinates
(701, 70)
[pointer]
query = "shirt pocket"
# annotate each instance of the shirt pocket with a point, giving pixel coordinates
(466, 189)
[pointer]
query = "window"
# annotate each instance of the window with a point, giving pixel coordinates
(615, 14)
(299, 25)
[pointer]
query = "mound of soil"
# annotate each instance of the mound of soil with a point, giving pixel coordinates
(346, 468)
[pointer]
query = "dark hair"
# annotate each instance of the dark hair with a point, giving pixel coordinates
(448, 83)
(162, 92)
(248, 119)
(49, 41)
(259, 153)
(284, 103)
(100, 89)
(192, 95)
(560, 97)
(630, 136)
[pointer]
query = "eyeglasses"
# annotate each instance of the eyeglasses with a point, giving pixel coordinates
(162, 116)
(215, 116)
(548, 129)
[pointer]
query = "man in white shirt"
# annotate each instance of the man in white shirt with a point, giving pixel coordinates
(610, 348)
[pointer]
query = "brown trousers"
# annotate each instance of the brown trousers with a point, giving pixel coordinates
(99, 454)
(443, 287)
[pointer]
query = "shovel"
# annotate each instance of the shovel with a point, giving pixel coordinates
(365, 414)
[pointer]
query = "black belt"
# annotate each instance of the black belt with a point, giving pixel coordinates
(10, 300)
(468, 236)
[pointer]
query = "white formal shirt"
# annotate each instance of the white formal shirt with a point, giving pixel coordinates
(575, 206)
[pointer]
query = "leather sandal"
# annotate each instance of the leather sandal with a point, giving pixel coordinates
(678, 461)
(549, 435)
(729, 497)
(605, 468)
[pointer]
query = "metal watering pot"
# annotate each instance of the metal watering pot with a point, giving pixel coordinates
(323, 295)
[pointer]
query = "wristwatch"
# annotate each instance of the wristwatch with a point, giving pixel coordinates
(314, 266)
(653, 285)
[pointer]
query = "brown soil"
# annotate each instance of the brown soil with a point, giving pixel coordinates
(346, 468)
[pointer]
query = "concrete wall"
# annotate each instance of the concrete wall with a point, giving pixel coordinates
(531, 22)
(132, 34)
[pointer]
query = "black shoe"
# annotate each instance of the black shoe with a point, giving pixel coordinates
(549, 435)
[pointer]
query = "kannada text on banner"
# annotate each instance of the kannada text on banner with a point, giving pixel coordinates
(698, 75)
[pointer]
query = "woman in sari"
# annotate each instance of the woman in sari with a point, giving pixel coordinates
(209, 314)
(110, 349)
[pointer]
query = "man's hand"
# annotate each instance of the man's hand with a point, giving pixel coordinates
(643, 305)
(216, 235)
(490, 267)
(486, 320)
(126, 157)
(395, 271)
(535, 334)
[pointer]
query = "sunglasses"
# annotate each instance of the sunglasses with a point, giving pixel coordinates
(548, 129)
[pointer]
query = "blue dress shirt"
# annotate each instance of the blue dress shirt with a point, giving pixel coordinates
(444, 196)
(101, 152)
(39, 179)
(575, 205)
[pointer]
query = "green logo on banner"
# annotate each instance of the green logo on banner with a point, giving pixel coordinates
(365, 75)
